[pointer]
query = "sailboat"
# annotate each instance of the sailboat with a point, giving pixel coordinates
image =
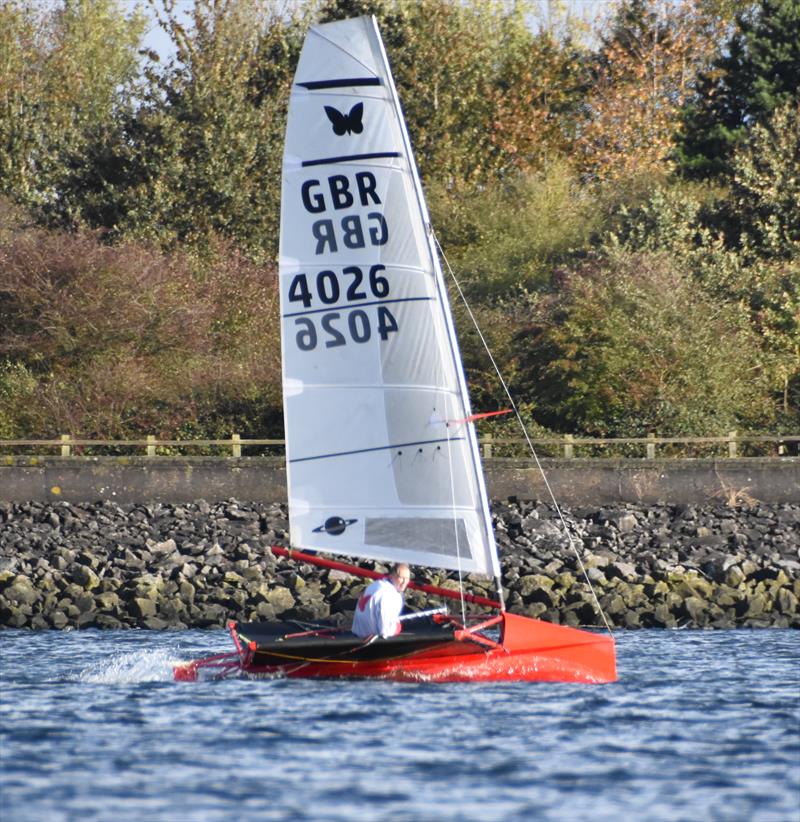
(381, 450)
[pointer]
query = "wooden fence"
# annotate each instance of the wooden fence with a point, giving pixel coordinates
(565, 446)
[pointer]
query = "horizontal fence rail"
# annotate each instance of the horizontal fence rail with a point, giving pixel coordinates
(565, 446)
(568, 443)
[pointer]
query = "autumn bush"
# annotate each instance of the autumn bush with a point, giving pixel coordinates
(114, 341)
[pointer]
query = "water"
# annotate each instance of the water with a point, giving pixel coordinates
(701, 726)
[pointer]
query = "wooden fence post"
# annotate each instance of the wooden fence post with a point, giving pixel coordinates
(732, 452)
(486, 441)
(236, 445)
(568, 448)
(651, 447)
(151, 449)
(65, 448)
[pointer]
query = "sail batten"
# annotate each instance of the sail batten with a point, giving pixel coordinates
(377, 448)
(352, 158)
(345, 307)
(371, 367)
(353, 82)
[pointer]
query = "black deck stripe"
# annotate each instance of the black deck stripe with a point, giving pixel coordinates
(345, 157)
(351, 306)
(378, 448)
(313, 85)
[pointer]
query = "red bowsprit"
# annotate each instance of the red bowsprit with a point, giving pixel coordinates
(219, 666)
(481, 416)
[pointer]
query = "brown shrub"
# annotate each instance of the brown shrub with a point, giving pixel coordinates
(125, 340)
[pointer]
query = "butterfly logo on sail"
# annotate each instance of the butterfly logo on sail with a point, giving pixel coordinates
(346, 123)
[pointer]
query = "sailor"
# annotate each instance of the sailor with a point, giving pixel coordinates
(379, 607)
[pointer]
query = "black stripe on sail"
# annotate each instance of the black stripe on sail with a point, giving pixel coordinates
(313, 85)
(378, 448)
(348, 157)
(352, 306)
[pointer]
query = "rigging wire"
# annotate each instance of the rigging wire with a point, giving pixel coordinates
(557, 507)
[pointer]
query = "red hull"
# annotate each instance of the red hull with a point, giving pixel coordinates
(529, 650)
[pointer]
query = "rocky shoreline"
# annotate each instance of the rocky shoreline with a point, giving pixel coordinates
(105, 565)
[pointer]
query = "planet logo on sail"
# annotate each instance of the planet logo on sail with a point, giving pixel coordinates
(334, 526)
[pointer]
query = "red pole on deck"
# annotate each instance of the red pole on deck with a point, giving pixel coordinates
(364, 572)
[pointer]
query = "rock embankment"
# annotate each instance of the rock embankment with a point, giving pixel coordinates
(197, 565)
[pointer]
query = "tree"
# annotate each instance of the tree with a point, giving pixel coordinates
(754, 73)
(758, 269)
(200, 157)
(506, 239)
(65, 72)
(766, 184)
(482, 94)
(633, 346)
(646, 66)
(538, 104)
(192, 150)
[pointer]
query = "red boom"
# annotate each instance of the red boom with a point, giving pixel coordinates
(364, 572)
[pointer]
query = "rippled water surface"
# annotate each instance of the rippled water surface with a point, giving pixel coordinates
(701, 725)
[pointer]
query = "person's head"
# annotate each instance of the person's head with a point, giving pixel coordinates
(400, 576)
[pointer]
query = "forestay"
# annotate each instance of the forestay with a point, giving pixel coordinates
(381, 460)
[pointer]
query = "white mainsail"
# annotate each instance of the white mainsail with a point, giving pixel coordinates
(382, 461)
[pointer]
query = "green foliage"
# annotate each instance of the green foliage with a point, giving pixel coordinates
(669, 219)
(483, 95)
(633, 346)
(756, 72)
(192, 150)
(200, 157)
(739, 270)
(766, 185)
(17, 390)
(498, 324)
(64, 73)
(507, 238)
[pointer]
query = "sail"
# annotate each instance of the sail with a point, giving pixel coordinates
(382, 460)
